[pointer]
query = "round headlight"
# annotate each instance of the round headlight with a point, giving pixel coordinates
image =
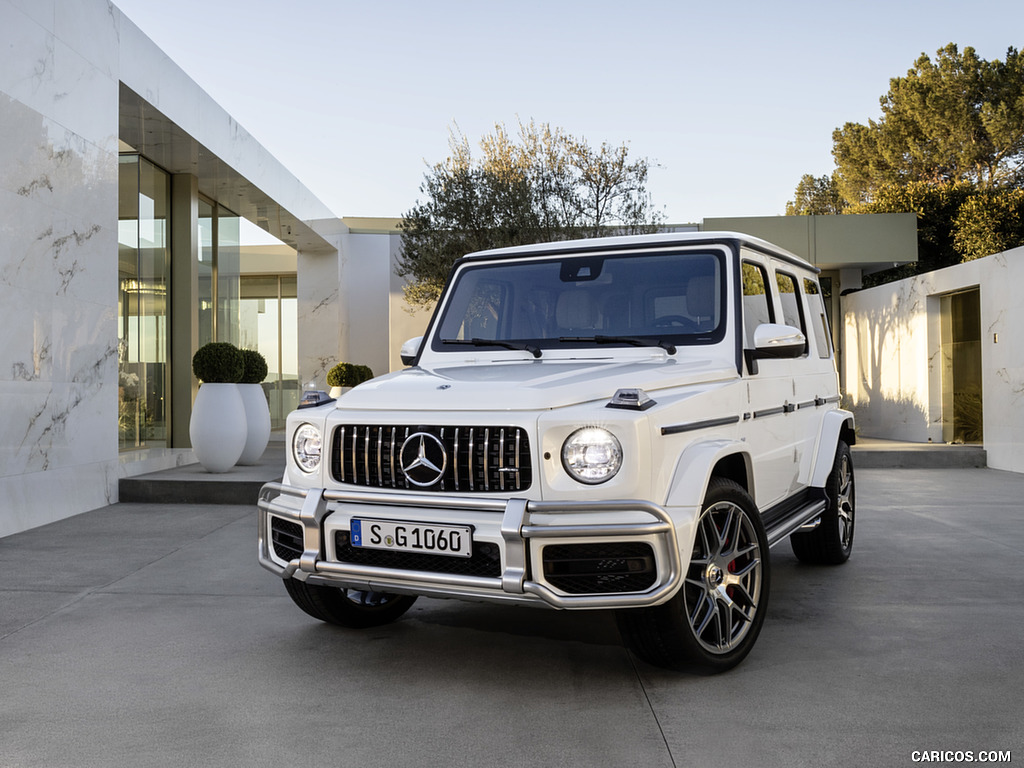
(306, 446)
(591, 455)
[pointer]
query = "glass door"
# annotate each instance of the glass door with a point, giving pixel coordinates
(962, 413)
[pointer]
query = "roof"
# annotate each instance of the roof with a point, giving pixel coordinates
(639, 242)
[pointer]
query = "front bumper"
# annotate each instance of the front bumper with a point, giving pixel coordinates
(520, 528)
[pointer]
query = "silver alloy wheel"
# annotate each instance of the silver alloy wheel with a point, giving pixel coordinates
(845, 503)
(723, 583)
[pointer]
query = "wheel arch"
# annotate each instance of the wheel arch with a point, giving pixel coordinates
(702, 461)
(835, 426)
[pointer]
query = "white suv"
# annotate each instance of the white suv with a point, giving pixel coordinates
(625, 423)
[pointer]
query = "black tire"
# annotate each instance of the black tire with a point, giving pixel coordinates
(832, 541)
(348, 607)
(713, 621)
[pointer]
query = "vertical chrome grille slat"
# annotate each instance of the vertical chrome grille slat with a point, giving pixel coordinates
(487, 456)
(355, 454)
(518, 433)
(393, 480)
(380, 451)
(341, 458)
(366, 457)
(501, 459)
(456, 467)
(471, 451)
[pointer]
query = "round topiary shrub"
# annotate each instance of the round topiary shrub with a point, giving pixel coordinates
(255, 367)
(218, 363)
(348, 375)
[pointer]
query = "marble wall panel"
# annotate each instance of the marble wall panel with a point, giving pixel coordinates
(58, 260)
(92, 29)
(38, 498)
(322, 313)
(40, 11)
(42, 72)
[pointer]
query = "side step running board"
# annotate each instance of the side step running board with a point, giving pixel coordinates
(799, 518)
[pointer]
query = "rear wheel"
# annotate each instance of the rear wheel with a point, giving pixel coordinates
(832, 541)
(348, 607)
(711, 624)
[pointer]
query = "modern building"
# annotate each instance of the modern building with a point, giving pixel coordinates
(936, 358)
(139, 221)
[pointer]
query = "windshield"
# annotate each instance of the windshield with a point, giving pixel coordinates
(666, 299)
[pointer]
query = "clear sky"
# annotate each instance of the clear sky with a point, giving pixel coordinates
(733, 100)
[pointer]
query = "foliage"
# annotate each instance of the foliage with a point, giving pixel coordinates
(816, 195)
(541, 186)
(957, 119)
(949, 146)
(255, 367)
(348, 375)
(218, 363)
(989, 222)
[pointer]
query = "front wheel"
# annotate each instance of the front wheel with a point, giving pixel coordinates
(712, 622)
(832, 541)
(348, 607)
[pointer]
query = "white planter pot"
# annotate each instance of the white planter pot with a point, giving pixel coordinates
(217, 427)
(257, 420)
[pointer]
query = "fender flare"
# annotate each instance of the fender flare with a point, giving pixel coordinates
(832, 426)
(693, 470)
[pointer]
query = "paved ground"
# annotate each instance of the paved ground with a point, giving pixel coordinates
(146, 635)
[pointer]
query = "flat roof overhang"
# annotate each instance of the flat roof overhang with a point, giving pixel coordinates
(157, 137)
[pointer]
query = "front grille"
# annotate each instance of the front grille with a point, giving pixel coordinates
(486, 559)
(286, 538)
(477, 459)
(581, 569)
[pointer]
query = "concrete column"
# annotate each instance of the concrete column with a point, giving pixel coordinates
(184, 309)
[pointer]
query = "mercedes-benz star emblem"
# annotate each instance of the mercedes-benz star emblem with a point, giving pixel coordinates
(424, 459)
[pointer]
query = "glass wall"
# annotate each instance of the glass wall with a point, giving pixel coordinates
(143, 279)
(268, 312)
(219, 273)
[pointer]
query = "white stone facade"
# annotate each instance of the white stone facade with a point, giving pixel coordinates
(894, 366)
(58, 280)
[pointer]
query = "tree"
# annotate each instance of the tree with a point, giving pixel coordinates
(816, 195)
(957, 119)
(989, 222)
(949, 147)
(543, 185)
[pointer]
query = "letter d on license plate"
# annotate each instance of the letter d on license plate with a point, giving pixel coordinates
(424, 538)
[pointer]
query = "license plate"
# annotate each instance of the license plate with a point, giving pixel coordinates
(424, 538)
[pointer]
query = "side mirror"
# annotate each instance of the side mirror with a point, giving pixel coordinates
(775, 341)
(410, 350)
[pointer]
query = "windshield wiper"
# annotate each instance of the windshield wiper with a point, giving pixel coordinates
(632, 340)
(518, 346)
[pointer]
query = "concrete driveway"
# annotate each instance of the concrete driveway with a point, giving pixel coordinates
(146, 635)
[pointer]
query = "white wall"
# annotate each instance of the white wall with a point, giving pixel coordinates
(893, 372)
(58, 260)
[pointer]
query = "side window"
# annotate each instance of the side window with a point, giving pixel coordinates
(757, 306)
(789, 296)
(816, 307)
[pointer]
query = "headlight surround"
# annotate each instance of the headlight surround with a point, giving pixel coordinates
(591, 455)
(307, 444)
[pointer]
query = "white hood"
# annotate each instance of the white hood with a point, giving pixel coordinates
(526, 385)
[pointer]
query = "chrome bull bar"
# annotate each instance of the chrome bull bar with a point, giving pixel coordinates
(517, 528)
